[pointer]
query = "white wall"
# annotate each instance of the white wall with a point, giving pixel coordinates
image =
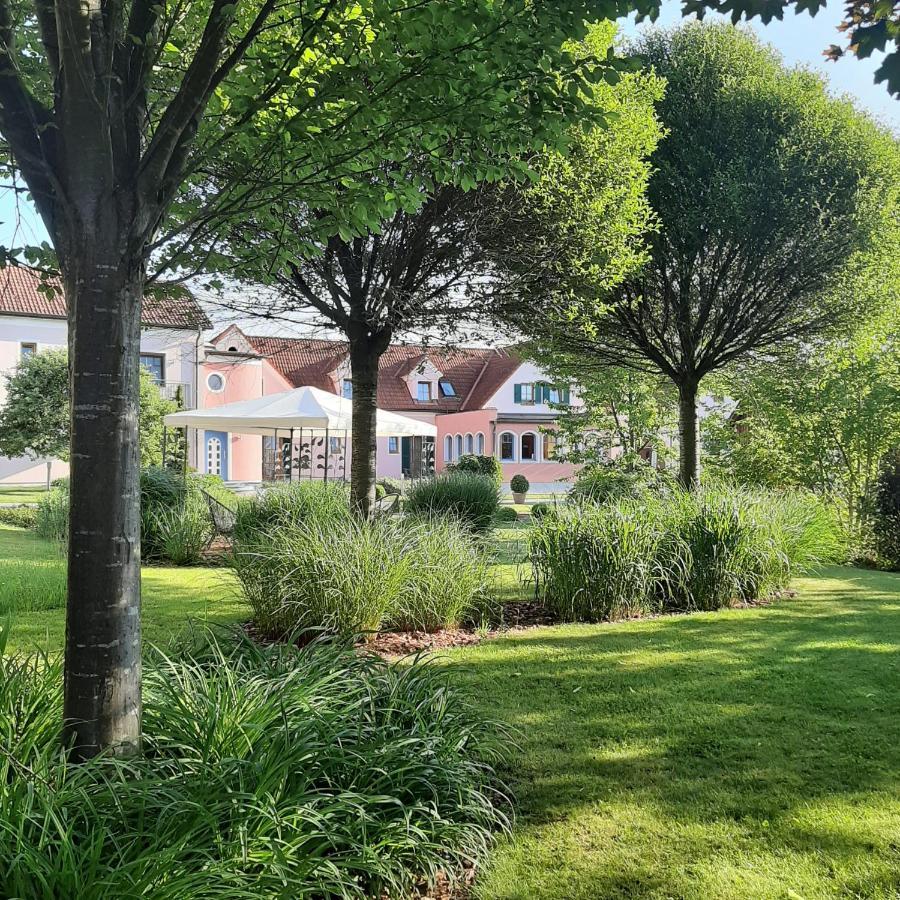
(178, 346)
(504, 399)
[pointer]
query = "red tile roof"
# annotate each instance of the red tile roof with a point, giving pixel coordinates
(22, 294)
(476, 374)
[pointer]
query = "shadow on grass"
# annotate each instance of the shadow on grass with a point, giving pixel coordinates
(738, 754)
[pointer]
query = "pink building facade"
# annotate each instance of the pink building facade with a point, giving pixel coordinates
(481, 401)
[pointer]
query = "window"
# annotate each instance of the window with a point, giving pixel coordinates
(347, 389)
(470, 444)
(447, 389)
(507, 446)
(459, 446)
(552, 394)
(215, 382)
(479, 444)
(549, 445)
(529, 448)
(423, 394)
(26, 350)
(448, 448)
(393, 445)
(155, 364)
(523, 393)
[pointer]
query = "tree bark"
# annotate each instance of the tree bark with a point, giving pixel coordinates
(102, 696)
(364, 358)
(688, 435)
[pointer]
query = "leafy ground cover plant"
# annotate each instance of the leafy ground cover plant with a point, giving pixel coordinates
(473, 499)
(268, 772)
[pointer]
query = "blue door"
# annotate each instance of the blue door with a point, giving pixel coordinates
(217, 453)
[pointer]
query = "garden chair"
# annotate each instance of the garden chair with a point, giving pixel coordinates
(387, 505)
(221, 516)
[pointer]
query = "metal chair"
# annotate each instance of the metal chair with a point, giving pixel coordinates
(221, 516)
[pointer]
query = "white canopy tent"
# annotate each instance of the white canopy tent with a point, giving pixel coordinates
(308, 429)
(304, 407)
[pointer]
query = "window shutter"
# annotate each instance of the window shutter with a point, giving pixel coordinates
(564, 394)
(517, 393)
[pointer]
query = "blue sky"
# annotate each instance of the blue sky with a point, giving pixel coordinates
(799, 38)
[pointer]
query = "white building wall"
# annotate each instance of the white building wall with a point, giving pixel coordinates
(527, 373)
(178, 346)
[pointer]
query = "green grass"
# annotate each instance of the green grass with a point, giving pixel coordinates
(32, 594)
(21, 494)
(741, 754)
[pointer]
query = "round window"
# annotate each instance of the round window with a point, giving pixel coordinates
(215, 382)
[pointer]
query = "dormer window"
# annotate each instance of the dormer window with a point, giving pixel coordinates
(423, 392)
(524, 393)
(347, 389)
(447, 389)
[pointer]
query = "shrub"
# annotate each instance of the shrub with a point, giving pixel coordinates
(175, 524)
(697, 551)
(286, 505)
(52, 520)
(359, 576)
(539, 510)
(19, 516)
(476, 464)
(620, 480)
(269, 772)
(506, 514)
(518, 484)
(886, 513)
(473, 499)
(380, 492)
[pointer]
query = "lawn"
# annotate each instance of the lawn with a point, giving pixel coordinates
(747, 754)
(21, 494)
(32, 595)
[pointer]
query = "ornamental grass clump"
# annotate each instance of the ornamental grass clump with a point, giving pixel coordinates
(268, 771)
(357, 576)
(290, 504)
(471, 498)
(705, 550)
(593, 563)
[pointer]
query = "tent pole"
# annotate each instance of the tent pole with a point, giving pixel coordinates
(327, 448)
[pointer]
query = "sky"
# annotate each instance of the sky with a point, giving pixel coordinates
(799, 38)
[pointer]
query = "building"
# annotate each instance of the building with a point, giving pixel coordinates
(481, 401)
(33, 318)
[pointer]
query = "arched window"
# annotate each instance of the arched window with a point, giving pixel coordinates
(529, 447)
(470, 444)
(459, 446)
(507, 446)
(448, 448)
(479, 444)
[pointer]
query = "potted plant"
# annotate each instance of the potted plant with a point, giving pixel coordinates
(519, 485)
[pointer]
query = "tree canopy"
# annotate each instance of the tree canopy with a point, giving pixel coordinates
(763, 192)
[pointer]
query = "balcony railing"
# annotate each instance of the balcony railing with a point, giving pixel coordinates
(178, 390)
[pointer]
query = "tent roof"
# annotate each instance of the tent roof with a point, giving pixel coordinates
(304, 407)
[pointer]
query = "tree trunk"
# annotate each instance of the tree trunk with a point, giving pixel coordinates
(364, 370)
(102, 700)
(688, 435)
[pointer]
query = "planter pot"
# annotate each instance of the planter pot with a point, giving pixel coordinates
(518, 498)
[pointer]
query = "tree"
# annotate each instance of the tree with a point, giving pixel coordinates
(419, 266)
(821, 416)
(618, 408)
(763, 191)
(34, 420)
(113, 113)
